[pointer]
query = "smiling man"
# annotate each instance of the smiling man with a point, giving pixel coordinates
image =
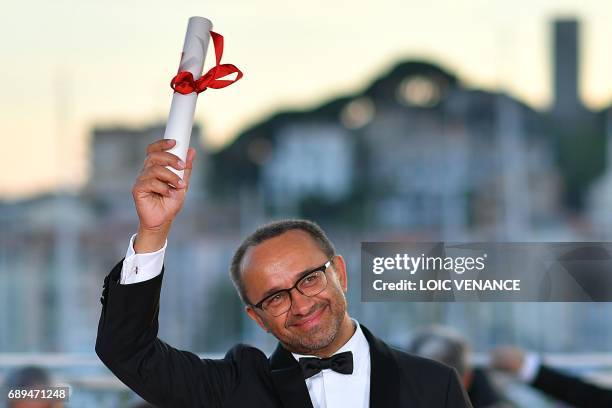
(293, 285)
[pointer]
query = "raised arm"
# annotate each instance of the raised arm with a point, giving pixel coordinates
(127, 339)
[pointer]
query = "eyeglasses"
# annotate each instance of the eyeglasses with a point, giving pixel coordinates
(311, 284)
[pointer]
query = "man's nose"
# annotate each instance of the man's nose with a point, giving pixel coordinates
(300, 304)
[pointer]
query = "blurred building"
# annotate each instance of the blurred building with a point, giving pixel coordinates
(116, 160)
(578, 133)
(566, 55)
(415, 149)
(55, 249)
(600, 195)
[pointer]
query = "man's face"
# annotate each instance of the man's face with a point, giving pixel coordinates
(311, 323)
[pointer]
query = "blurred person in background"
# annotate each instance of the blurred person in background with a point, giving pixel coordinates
(449, 347)
(530, 369)
(29, 377)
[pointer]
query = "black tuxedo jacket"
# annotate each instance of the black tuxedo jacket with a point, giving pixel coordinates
(571, 389)
(127, 343)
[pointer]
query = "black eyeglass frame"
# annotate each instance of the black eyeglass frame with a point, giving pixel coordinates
(323, 268)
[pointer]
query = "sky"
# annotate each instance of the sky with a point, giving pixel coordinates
(69, 65)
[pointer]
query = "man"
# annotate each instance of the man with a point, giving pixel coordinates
(528, 368)
(451, 348)
(292, 283)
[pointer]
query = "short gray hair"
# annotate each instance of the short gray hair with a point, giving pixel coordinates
(272, 230)
(444, 345)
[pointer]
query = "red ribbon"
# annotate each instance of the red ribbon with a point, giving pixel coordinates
(184, 83)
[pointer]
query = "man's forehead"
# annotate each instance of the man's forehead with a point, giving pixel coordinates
(289, 247)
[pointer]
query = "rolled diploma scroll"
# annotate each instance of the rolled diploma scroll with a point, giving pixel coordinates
(182, 109)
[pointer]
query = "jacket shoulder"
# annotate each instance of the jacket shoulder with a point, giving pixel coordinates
(436, 384)
(246, 353)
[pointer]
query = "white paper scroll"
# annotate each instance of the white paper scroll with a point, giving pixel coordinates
(182, 109)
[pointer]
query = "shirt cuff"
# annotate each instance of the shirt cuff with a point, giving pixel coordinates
(141, 267)
(530, 368)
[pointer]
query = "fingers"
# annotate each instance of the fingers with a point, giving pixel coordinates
(158, 158)
(164, 159)
(153, 185)
(160, 145)
(162, 174)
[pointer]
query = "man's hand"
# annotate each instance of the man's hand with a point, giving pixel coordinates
(159, 194)
(508, 358)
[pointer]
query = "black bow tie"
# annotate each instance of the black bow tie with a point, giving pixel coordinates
(341, 363)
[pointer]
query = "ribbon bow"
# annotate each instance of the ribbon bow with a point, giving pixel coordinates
(184, 83)
(341, 363)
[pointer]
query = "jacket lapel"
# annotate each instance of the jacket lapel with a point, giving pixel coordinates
(288, 379)
(384, 374)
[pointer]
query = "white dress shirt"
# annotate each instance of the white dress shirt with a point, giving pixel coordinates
(327, 389)
(141, 267)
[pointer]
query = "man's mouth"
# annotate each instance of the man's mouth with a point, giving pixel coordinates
(311, 320)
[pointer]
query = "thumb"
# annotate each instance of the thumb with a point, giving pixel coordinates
(189, 165)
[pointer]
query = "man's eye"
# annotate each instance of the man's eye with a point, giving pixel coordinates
(274, 300)
(310, 279)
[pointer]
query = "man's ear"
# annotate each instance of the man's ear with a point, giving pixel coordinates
(339, 267)
(253, 315)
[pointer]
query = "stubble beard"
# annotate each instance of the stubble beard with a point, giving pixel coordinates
(321, 336)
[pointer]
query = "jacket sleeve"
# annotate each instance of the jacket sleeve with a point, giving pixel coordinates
(127, 344)
(571, 389)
